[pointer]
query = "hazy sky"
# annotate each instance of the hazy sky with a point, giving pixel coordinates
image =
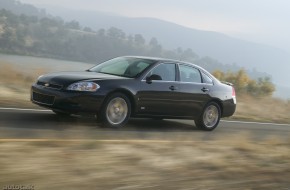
(263, 21)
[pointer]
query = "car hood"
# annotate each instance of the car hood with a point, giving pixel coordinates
(66, 78)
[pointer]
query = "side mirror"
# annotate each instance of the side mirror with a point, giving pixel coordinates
(153, 77)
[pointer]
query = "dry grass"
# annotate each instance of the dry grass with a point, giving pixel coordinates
(263, 109)
(229, 163)
(15, 85)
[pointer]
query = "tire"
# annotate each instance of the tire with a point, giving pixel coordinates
(209, 118)
(63, 114)
(116, 110)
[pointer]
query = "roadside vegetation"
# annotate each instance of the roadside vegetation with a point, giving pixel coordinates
(15, 86)
(244, 85)
(255, 101)
(234, 162)
(262, 109)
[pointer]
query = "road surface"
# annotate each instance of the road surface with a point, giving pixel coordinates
(44, 124)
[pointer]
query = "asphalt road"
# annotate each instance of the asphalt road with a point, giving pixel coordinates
(44, 124)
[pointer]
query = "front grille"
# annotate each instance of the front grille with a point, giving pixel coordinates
(49, 85)
(42, 98)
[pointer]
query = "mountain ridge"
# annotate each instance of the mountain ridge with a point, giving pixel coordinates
(222, 47)
(226, 49)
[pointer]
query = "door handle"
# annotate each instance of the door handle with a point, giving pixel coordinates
(205, 89)
(173, 88)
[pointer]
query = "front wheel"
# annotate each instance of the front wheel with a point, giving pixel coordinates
(209, 118)
(116, 110)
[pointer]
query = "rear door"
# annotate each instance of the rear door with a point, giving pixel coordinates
(194, 90)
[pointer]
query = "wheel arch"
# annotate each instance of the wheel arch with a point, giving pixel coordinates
(199, 122)
(126, 92)
(218, 102)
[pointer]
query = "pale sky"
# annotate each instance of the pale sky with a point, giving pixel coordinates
(262, 21)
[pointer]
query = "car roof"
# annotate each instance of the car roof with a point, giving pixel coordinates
(152, 58)
(168, 60)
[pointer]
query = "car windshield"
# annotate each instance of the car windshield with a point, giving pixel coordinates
(123, 66)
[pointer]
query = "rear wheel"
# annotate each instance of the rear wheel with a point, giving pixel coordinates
(116, 110)
(209, 118)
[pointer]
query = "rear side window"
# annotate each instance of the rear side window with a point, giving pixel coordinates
(206, 79)
(189, 74)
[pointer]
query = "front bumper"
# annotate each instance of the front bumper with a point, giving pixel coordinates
(66, 101)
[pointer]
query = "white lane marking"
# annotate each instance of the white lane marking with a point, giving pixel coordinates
(111, 141)
(226, 121)
(23, 109)
(252, 122)
(98, 140)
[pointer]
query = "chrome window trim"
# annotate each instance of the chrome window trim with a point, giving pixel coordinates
(195, 83)
(192, 66)
(212, 81)
(144, 78)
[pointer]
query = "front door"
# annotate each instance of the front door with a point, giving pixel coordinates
(159, 96)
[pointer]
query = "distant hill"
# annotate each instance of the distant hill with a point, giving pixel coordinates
(22, 8)
(224, 48)
(212, 48)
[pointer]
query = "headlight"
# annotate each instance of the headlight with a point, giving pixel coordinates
(84, 86)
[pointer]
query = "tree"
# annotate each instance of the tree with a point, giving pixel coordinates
(116, 33)
(266, 86)
(153, 42)
(252, 88)
(101, 33)
(219, 75)
(73, 25)
(139, 40)
(155, 49)
(245, 85)
(88, 29)
(188, 55)
(241, 80)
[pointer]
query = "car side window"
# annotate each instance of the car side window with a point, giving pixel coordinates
(135, 68)
(206, 79)
(166, 71)
(189, 74)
